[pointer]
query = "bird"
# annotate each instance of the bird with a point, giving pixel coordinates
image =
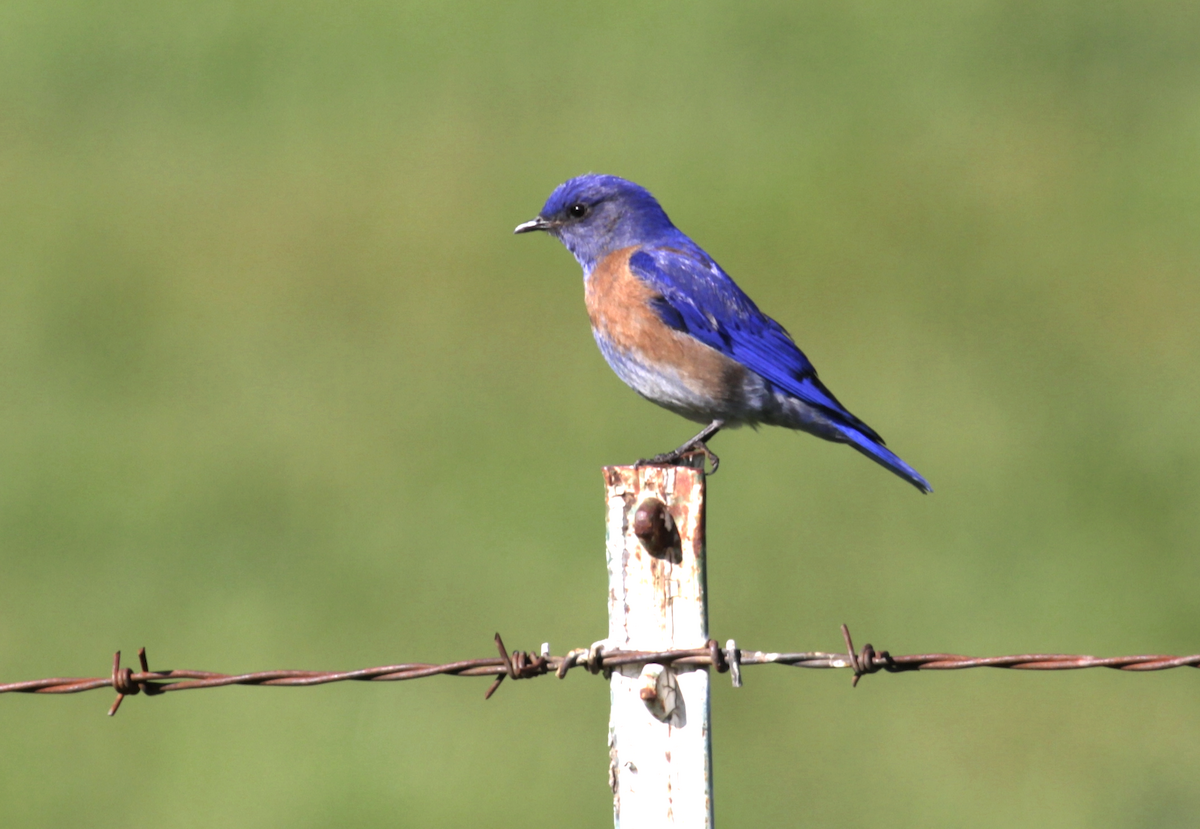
(679, 331)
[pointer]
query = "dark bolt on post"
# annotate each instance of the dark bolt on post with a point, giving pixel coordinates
(655, 528)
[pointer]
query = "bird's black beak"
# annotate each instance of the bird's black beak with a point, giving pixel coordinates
(534, 224)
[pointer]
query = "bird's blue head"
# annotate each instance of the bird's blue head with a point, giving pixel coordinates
(594, 215)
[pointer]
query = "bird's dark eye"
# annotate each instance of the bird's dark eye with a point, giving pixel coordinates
(578, 210)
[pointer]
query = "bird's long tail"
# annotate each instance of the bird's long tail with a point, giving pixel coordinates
(885, 457)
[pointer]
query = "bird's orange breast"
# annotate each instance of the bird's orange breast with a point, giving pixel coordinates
(620, 307)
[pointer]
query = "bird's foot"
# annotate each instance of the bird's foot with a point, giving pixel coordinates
(689, 450)
(709, 455)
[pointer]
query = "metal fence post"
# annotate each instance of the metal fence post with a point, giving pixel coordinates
(660, 751)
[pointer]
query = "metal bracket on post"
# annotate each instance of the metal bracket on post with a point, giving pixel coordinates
(660, 750)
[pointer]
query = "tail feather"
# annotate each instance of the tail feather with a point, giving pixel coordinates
(885, 457)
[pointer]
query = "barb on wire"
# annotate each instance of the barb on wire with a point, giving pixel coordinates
(596, 660)
(518, 665)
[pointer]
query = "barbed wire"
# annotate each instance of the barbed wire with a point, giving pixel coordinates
(596, 660)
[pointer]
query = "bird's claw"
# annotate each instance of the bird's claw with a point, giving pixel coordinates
(710, 456)
(688, 450)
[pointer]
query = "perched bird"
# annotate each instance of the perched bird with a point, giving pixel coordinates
(682, 334)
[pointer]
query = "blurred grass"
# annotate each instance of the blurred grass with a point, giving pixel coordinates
(278, 388)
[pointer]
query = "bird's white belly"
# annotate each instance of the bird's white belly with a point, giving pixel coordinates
(702, 399)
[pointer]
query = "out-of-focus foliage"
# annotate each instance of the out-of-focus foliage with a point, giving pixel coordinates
(279, 389)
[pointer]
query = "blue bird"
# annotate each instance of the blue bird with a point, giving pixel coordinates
(681, 333)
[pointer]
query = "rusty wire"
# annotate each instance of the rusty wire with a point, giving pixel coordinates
(596, 660)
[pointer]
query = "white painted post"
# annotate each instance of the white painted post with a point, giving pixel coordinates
(660, 751)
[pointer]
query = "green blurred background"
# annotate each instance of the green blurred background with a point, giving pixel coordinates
(279, 389)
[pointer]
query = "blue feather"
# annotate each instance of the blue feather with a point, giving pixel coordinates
(886, 458)
(700, 299)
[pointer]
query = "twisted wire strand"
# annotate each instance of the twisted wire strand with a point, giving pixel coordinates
(596, 660)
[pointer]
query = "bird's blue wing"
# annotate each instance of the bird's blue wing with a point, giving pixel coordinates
(698, 298)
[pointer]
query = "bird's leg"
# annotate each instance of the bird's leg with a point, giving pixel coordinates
(698, 444)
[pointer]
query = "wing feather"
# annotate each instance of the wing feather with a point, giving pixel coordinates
(698, 298)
